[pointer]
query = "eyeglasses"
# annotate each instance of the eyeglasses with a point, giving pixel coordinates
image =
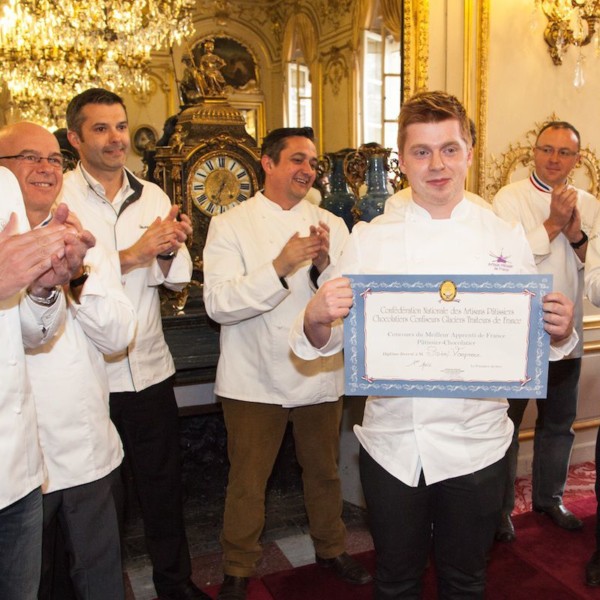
(562, 152)
(57, 162)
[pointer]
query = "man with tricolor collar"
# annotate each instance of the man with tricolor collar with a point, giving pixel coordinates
(557, 218)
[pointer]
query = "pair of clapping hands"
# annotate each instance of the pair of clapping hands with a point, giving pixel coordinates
(297, 250)
(42, 259)
(162, 239)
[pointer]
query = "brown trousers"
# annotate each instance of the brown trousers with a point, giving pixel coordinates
(254, 435)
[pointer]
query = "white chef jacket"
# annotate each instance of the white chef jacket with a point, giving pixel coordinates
(405, 194)
(444, 437)
(243, 293)
(23, 323)
(528, 202)
(592, 266)
(70, 384)
(118, 226)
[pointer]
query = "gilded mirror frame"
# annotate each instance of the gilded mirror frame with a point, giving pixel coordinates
(415, 50)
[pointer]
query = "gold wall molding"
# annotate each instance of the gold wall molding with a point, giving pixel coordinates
(415, 64)
(482, 74)
(476, 32)
(591, 322)
(265, 17)
(579, 425)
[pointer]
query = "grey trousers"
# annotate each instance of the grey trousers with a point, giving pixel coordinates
(553, 438)
(87, 517)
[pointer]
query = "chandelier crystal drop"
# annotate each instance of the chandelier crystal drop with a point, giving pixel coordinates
(51, 50)
(570, 22)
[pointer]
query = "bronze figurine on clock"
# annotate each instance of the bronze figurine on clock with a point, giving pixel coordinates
(210, 165)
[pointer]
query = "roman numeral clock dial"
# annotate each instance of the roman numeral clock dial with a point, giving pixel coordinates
(220, 182)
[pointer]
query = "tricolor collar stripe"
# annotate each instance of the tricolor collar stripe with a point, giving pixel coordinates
(538, 184)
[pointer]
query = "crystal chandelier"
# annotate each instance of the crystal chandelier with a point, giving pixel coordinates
(570, 22)
(51, 50)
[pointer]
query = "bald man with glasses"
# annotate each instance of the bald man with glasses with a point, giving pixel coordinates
(557, 218)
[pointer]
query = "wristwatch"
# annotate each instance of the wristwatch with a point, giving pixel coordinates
(81, 279)
(581, 242)
(49, 301)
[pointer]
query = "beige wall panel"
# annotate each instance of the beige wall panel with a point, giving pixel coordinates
(337, 117)
(525, 87)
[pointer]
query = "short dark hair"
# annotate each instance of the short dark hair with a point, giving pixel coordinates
(432, 107)
(67, 149)
(560, 125)
(275, 141)
(91, 96)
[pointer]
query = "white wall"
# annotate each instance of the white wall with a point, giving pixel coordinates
(524, 85)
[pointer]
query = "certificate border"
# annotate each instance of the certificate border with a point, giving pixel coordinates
(538, 351)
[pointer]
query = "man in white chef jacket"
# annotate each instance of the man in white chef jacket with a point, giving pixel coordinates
(33, 266)
(81, 448)
(430, 465)
(557, 218)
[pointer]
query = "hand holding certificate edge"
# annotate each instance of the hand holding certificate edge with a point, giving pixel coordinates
(558, 317)
(332, 301)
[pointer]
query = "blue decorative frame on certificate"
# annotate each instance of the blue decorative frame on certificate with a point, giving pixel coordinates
(446, 308)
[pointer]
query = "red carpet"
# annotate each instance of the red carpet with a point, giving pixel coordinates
(256, 591)
(544, 562)
(315, 583)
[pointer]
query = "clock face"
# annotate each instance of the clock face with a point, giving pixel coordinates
(219, 182)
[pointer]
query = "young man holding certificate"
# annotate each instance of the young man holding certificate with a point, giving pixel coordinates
(430, 465)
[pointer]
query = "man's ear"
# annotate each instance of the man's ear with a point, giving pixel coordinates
(401, 163)
(470, 154)
(266, 163)
(73, 138)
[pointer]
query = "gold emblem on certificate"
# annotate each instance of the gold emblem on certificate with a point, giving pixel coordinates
(447, 290)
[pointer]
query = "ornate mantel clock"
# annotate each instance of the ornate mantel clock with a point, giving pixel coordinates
(210, 165)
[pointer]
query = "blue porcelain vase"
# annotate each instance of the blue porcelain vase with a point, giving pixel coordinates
(340, 200)
(372, 203)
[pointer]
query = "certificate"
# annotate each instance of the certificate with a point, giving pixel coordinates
(466, 336)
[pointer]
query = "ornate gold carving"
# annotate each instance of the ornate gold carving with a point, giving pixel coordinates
(336, 68)
(261, 15)
(482, 68)
(407, 62)
(355, 170)
(239, 69)
(212, 113)
(502, 168)
(334, 10)
(415, 55)
(396, 176)
(356, 164)
(422, 44)
(560, 31)
(177, 141)
(143, 94)
(521, 155)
